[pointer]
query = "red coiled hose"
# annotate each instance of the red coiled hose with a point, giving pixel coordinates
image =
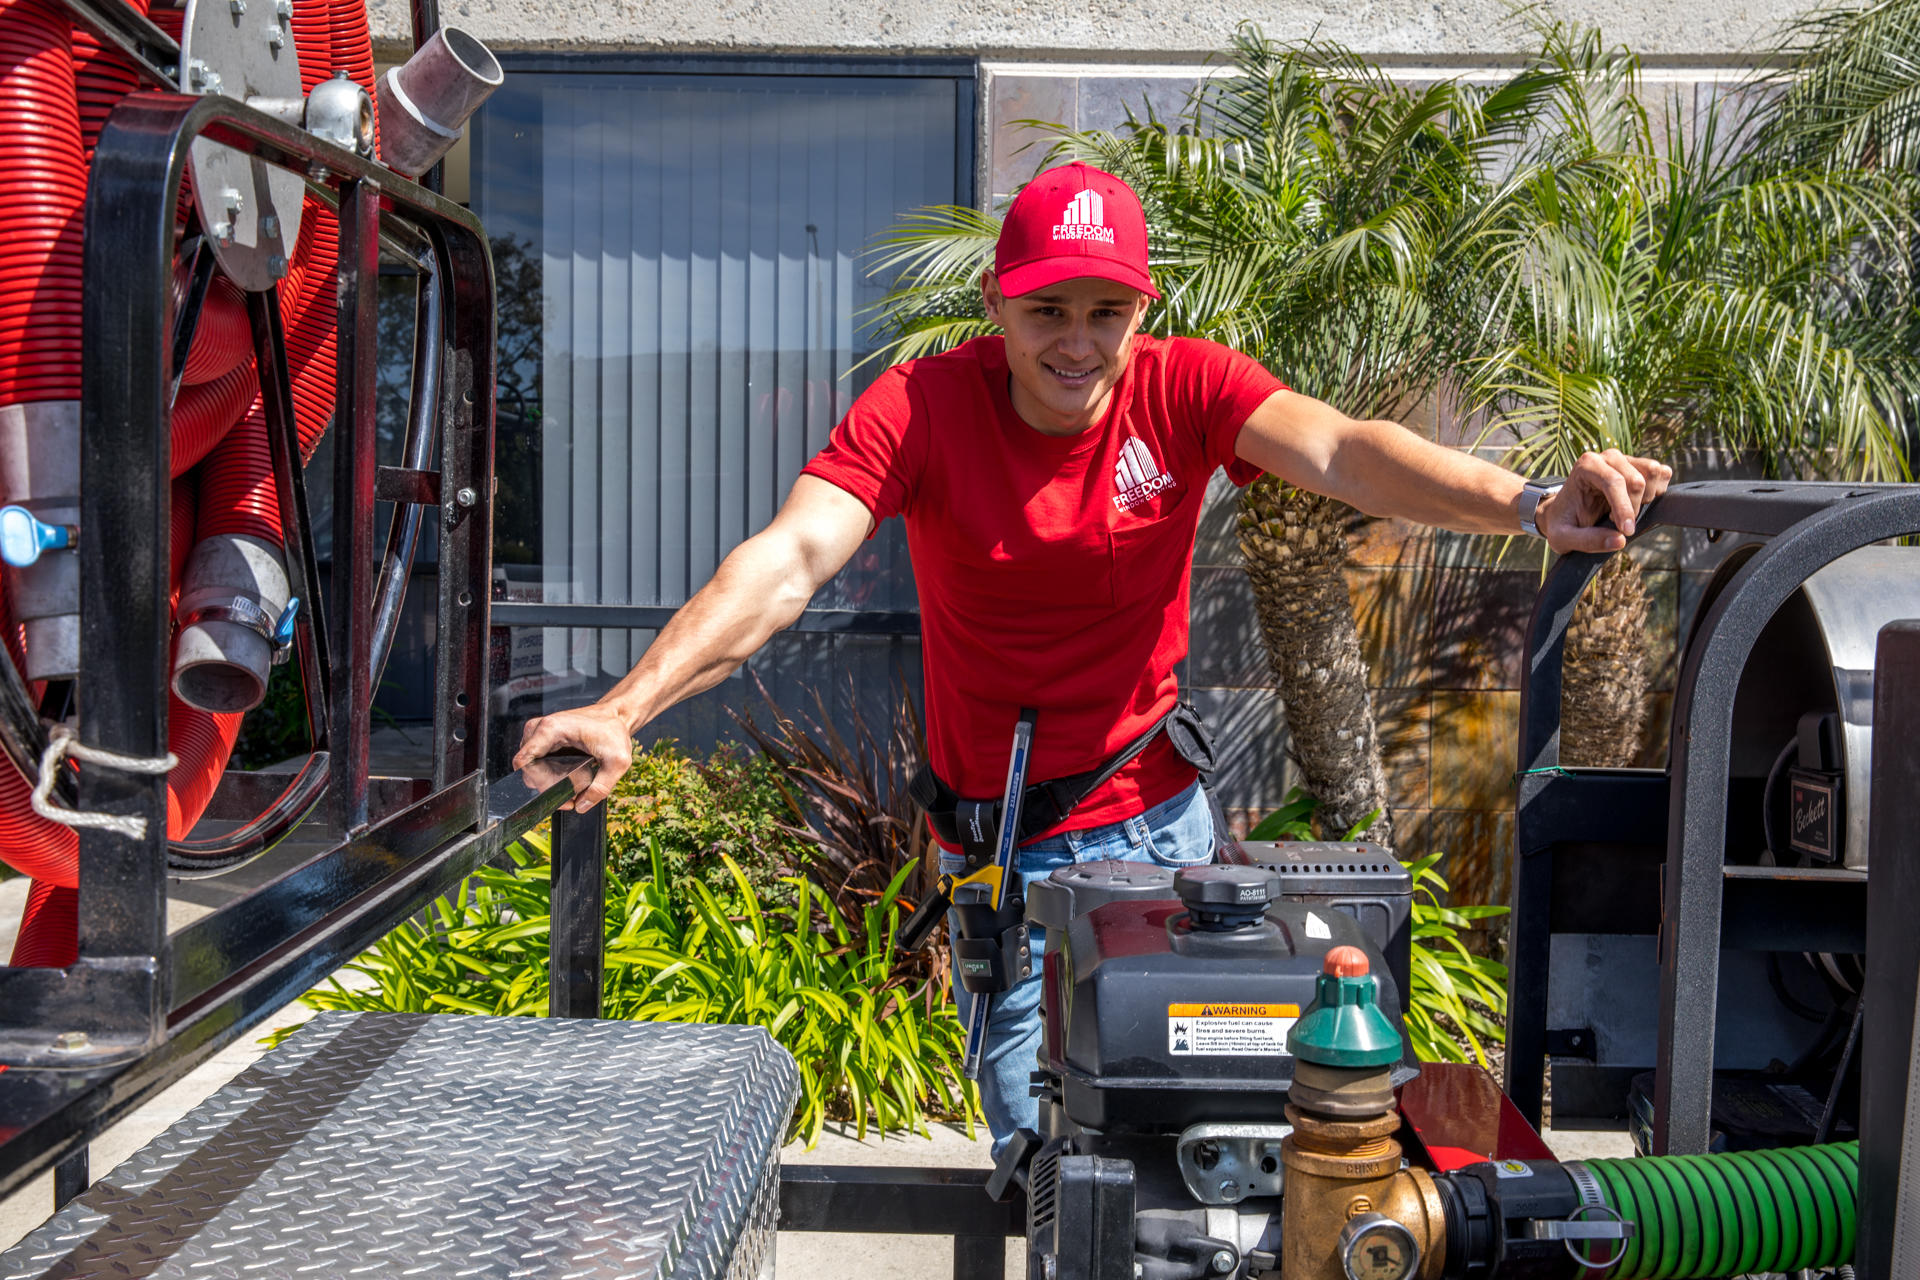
(203, 416)
(102, 76)
(40, 230)
(202, 741)
(49, 928)
(222, 336)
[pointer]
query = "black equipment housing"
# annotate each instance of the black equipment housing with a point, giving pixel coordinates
(1131, 949)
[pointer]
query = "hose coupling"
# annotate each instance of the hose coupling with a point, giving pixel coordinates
(426, 102)
(236, 619)
(40, 477)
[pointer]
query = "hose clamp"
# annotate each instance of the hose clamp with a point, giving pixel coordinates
(1585, 1182)
(244, 612)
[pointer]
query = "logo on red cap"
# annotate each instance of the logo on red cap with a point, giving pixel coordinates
(1085, 218)
(1073, 222)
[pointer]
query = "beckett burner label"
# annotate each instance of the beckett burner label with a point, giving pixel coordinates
(1237, 1030)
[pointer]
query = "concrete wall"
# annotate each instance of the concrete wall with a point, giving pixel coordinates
(1414, 31)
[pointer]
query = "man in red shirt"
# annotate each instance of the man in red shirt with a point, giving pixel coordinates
(1051, 480)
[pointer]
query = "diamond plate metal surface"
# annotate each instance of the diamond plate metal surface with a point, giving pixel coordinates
(448, 1145)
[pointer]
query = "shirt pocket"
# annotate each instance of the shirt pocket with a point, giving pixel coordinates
(1040, 577)
(1150, 555)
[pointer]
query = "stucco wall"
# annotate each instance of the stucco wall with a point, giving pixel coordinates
(1408, 30)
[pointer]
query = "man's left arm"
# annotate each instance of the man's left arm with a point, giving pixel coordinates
(1386, 470)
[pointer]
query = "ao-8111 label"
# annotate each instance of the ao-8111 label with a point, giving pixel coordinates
(1238, 1030)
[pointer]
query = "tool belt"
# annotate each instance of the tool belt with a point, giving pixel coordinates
(973, 824)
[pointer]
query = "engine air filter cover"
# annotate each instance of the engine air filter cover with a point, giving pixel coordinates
(1154, 1025)
(1076, 890)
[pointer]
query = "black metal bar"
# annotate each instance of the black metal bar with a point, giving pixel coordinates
(1793, 912)
(310, 644)
(407, 485)
(466, 513)
(652, 617)
(70, 1178)
(124, 536)
(1529, 920)
(1890, 1049)
(353, 490)
(187, 321)
(153, 52)
(979, 1258)
(235, 936)
(1690, 930)
(577, 934)
(1751, 506)
(922, 1202)
(426, 21)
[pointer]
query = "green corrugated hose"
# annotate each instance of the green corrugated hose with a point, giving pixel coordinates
(1705, 1217)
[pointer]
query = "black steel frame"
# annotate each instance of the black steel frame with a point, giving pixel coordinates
(150, 1005)
(1888, 1244)
(1678, 814)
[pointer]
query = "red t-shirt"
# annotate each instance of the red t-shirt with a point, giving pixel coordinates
(1053, 571)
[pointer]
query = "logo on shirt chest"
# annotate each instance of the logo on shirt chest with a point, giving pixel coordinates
(1137, 477)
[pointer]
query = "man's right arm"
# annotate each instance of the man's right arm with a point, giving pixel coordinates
(759, 589)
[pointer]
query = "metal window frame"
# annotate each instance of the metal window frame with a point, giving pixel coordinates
(964, 72)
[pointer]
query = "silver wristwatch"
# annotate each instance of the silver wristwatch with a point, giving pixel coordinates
(1532, 494)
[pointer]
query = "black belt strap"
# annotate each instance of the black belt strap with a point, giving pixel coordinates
(971, 824)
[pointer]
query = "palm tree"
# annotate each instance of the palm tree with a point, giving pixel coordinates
(1315, 215)
(1674, 290)
(1848, 97)
(1848, 89)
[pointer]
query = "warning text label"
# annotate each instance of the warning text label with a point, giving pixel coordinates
(1241, 1030)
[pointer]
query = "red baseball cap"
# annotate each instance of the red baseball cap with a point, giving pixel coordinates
(1070, 222)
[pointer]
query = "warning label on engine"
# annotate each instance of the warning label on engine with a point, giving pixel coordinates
(1242, 1030)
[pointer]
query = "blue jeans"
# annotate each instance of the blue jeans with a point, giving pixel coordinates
(1174, 833)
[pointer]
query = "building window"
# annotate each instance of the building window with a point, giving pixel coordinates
(684, 314)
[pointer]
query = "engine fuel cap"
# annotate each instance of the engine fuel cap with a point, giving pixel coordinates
(1221, 897)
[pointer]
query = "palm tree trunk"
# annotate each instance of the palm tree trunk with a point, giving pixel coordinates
(1603, 705)
(1295, 547)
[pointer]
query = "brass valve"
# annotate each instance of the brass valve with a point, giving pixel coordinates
(1351, 1212)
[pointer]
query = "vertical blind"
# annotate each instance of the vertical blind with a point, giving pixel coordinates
(703, 244)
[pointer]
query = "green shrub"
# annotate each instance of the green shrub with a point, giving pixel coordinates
(849, 805)
(1292, 820)
(1459, 999)
(874, 1046)
(702, 813)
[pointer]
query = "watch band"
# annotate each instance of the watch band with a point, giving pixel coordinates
(1532, 494)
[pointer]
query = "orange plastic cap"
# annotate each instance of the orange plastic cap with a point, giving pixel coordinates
(1346, 962)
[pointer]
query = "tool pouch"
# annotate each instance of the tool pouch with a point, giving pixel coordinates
(993, 952)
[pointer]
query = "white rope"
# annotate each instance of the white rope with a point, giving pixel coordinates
(60, 744)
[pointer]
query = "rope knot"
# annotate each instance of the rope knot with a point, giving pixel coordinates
(62, 743)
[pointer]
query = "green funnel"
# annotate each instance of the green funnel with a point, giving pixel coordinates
(1344, 1026)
